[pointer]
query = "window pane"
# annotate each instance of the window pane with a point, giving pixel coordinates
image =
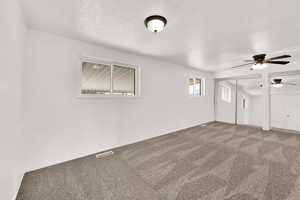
(95, 78)
(197, 87)
(123, 80)
(191, 86)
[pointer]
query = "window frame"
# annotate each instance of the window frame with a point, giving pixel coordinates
(202, 86)
(111, 64)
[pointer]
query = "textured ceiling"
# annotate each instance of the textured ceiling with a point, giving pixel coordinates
(207, 34)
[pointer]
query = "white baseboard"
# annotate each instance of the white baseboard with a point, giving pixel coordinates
(285, 130)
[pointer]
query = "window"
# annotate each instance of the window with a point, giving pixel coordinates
(108, 79)
(226, 93)
(196, 87)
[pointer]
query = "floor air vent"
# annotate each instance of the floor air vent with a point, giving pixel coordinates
(104, 154)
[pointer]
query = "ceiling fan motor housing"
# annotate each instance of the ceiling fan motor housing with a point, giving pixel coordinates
(277, 80)
(259, 58)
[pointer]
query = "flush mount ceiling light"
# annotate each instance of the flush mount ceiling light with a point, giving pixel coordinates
(155, 23)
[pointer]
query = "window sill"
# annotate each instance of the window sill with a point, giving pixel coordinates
(196, 96)
(226, 101)
(81, 96)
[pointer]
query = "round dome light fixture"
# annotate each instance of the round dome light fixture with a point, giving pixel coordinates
(155, 23)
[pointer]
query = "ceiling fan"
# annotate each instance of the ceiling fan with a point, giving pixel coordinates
(278, 83)
(259, 61)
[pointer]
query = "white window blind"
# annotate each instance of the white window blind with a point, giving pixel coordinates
(95, 78)
(123, 80)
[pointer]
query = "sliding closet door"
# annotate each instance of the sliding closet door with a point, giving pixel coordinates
(249, 102)
(285, 102)
(225, 99)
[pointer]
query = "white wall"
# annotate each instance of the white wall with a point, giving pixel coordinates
(59, 126)
(12, 33)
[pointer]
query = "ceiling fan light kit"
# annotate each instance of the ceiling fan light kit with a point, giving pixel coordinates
(279, 85)
(259, 66)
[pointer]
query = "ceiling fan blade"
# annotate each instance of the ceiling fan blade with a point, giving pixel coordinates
(248, 60)
(280, 57)
(243, 65)
(277, 62)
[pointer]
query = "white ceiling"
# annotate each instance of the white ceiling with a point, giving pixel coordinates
(206, 34)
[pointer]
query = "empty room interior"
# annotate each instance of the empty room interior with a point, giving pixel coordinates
(149, 100)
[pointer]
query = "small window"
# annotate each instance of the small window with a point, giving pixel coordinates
(196, 87)
(226, 93)
(108, 79)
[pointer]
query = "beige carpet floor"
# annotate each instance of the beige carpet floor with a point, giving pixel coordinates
(216, 162)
